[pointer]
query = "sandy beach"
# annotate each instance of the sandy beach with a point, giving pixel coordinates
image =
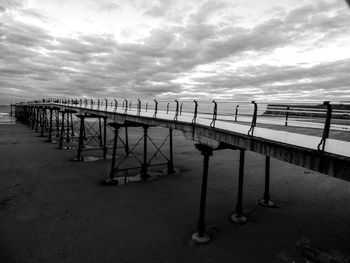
(56, 210)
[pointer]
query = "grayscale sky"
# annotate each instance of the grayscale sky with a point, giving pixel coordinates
(229, 49)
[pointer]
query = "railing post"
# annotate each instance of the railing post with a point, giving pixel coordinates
(215, 113)
(327, 126)
(155, 109)
(106, 106)
(115, 105)
(126, 106)
(195, 111)
(287, 115)
(253, 124)
(236, 113)
(138, 107)
(177, 110)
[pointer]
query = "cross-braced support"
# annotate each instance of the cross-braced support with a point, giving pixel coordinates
(238, 216)
(92, 138)
(53, 119)
(145, 162)
(43, 121)
(266, 199)
(67, 131)
(200, 236)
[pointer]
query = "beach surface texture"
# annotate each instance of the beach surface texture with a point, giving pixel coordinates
(56, 210)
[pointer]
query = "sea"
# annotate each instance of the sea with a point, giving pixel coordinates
(5, 115)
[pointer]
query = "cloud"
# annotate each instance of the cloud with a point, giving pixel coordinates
(202, 54)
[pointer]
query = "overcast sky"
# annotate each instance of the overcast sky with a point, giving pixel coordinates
(167, 49)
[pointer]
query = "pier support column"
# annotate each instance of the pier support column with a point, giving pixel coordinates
(57, 122)
(266, 199)
(60, 143)
(43, 121)
(112, 180)
(104, 137)
(127, 150)
(81, 139)
(49, 139)
(171, 158)
(144, 174)
(37, 115)
(200, 236)
(238, 216)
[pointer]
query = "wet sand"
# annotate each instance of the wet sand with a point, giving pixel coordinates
(55, 210)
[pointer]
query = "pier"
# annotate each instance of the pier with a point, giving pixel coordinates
(318, 144)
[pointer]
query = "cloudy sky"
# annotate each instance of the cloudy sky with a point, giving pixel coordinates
(166, 49)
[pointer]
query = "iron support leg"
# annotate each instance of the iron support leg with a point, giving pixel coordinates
(100, 132)
(104, 137)
(33, 118)
(37, 120)
(200, 236)
(42, 122)
(112, 180)
(238, 217)
(81, 139)
(57, 123)
(60, 144)
(171, 160)
(144, 175)
(72, 125)
(127, 152)
(68, 130)
(266, 199)
(50, 127)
